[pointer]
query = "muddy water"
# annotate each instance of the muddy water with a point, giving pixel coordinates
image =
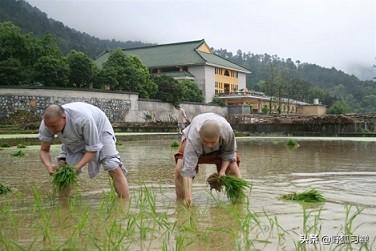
(343, 171)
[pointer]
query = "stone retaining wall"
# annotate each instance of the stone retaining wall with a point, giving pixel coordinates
(119, 107)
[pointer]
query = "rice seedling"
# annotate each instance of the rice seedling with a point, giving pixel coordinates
(43, 222)
(311, 227)
(21, 146)
(291, 143)
(234, 187)
(64, 177)
(350, 217)
(109, 202)
(5, 145)
(19, 153)
(174, 144)
(4, 189)
(152, 224)
(310, 196)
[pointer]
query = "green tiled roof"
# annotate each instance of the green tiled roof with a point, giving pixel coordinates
(176, 54)
(216, 60)
(168, 54)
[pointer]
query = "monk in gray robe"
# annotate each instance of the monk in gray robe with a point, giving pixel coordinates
(87, 139)
(209, 139)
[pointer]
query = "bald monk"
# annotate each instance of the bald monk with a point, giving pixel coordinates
(87, 139)
(209, 139)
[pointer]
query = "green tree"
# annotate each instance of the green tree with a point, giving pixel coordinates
(130, 74)
(191, 92)
(10, 72)
(139, 77)
(115, 71)
(12, 42)
(13, 52)
(45, 46)
(339, 107)
(106, 79)
(19, 52)
(169, 90)
(369, 103)
(218, 101)
(82, 69)
(52, 71)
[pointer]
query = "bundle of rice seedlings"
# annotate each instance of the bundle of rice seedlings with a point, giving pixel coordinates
(174, 144)
(215, 182)
(311, 195)
(4, 189)
(64, 177)
(21, 146)
(19, 153)
(235, 188)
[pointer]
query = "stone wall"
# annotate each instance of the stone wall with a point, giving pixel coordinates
(156, 111)
(119, 107)
(115, 105)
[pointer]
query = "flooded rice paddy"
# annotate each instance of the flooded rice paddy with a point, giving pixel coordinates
(33, 218)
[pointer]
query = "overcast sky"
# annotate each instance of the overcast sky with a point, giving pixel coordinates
(338, 33)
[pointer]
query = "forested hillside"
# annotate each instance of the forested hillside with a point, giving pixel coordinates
(27, 60)
(303, 81)
(30, 59)
(31, 19)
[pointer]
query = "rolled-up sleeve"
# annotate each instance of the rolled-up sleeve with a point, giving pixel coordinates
(229, 148)
(44, 134)
(190, 160)
(91, 136)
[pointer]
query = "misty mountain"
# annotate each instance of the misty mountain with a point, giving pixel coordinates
(31, 19)
(271, 74)
(363, 72)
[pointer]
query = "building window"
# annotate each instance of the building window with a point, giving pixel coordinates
(227, 73)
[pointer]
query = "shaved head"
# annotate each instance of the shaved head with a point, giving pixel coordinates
(53, 111)
(210, 130)
(54, 118)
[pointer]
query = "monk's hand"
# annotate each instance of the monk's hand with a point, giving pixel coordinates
(221, 173)
(61, 162)
(78, 169)
(52, 169)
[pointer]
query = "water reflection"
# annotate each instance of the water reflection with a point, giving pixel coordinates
(344, 171)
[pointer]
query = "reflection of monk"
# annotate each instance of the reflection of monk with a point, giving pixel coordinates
(219, 222)
(182, 119)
